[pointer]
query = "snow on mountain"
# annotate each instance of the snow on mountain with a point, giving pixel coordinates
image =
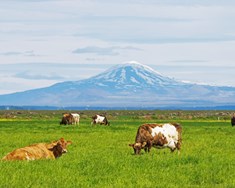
(130, 84)
(132, 74)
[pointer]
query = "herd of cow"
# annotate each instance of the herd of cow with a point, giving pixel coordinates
(74, 118)
(56, 148)
(168, 135)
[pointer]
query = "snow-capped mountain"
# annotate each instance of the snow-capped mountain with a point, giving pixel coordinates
(125, 85)
(133, 74)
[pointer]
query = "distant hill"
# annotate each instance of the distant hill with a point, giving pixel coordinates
(129, 85)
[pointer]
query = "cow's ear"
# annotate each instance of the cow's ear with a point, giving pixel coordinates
(62, 139)
(144, 144)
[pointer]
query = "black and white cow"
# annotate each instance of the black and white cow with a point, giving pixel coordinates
(99, 119)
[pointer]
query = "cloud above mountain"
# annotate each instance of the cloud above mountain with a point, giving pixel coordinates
(109, 51)
(14, 53)
(31, 76)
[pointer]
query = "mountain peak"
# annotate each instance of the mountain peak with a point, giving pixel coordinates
(133, 63)
(133, 74)
(136, 64)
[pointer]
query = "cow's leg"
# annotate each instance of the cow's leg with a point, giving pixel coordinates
(172, 150)
(178, 151)
(146, 149)
(149, 145)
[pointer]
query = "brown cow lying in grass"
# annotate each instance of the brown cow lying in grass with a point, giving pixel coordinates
(39, 151)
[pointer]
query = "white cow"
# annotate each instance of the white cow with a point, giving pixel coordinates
(76, 118)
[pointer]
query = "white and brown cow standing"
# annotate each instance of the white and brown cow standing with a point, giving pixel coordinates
(76, 118)
(99, 119)
(168, 135)
(39, 151)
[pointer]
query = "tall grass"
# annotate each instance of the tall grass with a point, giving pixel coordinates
(100, 156)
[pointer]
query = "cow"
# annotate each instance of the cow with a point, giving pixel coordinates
(168, 135)
(76, 118)
(99, 119)
(51, 150)
(70, 118)
(67, 119)
(233, 120)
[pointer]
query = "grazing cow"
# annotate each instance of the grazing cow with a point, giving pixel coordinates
(233, 120)
(70, 118)
(76, 118)
(100, 119)
(159, 136)
(67, 119)
(39, 151)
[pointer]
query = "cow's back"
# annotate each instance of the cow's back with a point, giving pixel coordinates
(144, 133)
(32, 152)
(100, 119)
(167, 135)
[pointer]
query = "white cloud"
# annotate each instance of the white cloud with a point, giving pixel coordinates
(110, 51)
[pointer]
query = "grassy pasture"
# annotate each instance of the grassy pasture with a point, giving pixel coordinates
(100, 155)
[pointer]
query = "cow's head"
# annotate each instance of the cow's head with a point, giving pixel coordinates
(137, 147)
(59, 147)
(64, 121)
(94, 117)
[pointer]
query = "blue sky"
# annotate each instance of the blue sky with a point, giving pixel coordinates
(48, 41)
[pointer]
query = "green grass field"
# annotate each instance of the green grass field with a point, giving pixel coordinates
(100, 155)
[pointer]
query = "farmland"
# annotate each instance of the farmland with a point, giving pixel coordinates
(100, 155)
